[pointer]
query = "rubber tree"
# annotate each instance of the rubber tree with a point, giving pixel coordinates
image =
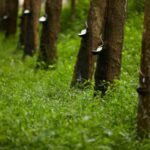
(90, 40)
(2, 13)
(23, 23)
(109, 60)
(31, 27)
(50, 31)
(10, 17)
(143, 119)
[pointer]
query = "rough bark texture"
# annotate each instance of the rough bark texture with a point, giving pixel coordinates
(2, 13)
(11, 12)
(84, 65)
(23, 23)
(31, 39)
(143, 123)
(50, 30)
(109, 60)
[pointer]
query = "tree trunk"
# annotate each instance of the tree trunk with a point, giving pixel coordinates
(143, 123)
(73, 8)
(2, 13)
(50, 30)
(109, 60)
(85, 64)
(23, 24)
(11, 17)
(31, 35)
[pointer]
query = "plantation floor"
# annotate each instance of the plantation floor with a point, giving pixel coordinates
(39, 111)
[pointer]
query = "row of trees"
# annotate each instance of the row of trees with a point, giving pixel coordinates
(28, 38)
(105, 27)
(103, 36)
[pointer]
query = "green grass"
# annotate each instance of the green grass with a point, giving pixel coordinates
(39, 111)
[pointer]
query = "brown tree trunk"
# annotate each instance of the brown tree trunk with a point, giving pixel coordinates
(31, 39)
(143, 123)
(84, 65)
(11, 13)
(2, 13)
(50, 30)
(73, 8)
(23, 24)
(109, 60)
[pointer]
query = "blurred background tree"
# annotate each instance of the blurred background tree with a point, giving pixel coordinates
(136, 6)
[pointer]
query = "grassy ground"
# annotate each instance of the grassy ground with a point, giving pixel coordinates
(38, 110)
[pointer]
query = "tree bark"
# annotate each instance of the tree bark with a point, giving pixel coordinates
(109, 60)
(31, 36)
(143, 122)
(2, 13)
(23, 24)
(12, 13)
(50, 30)
(84, 67)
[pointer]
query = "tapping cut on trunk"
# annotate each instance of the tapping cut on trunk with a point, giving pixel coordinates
(23, 23)
(31, 27)
(49, 35)
(2, 14)
(109, 60)
(10, 17)
(84, 67)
